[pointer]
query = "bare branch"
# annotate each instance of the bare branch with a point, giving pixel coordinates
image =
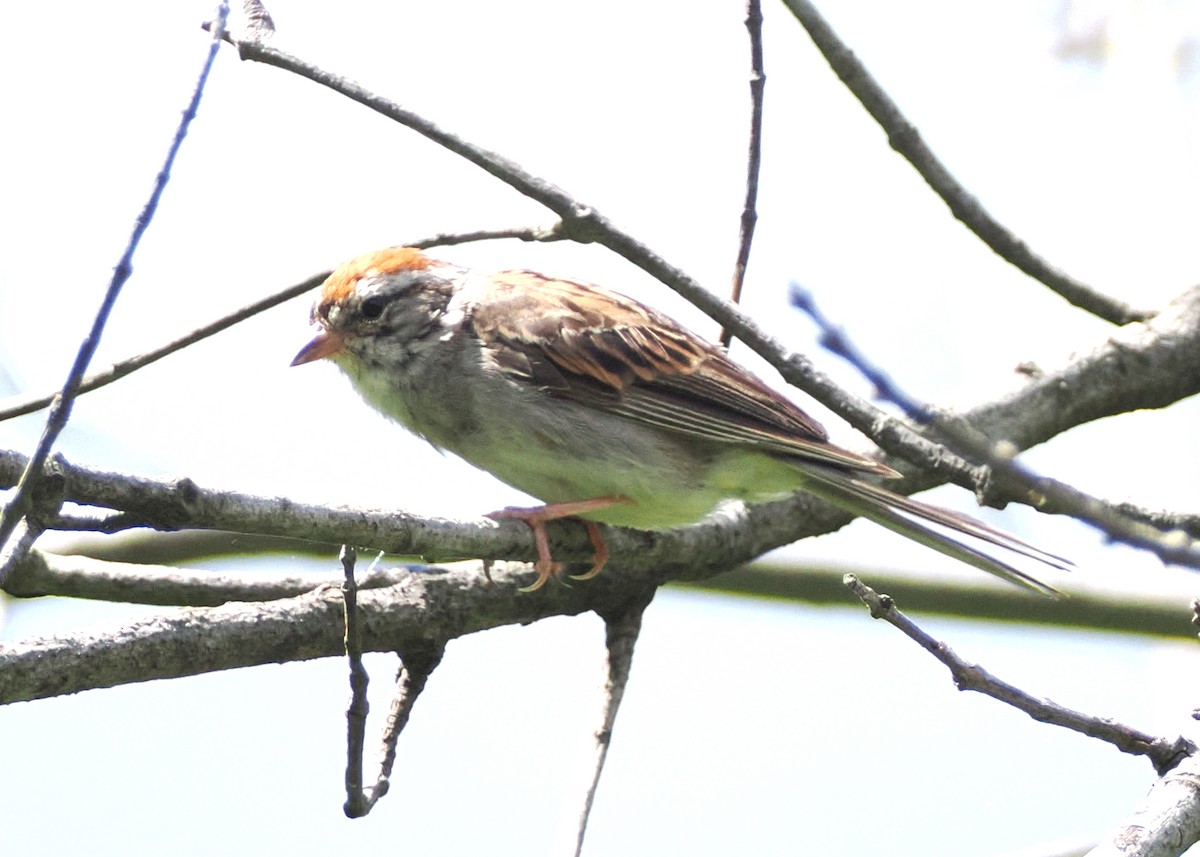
(416, 666)
(1163, 753)
(402, 618)
(1168, 821)
(40, 574)
(906, 140)
(1148, 365)
(60, 410)
(173, 504)
(758, 82)
(622, 627)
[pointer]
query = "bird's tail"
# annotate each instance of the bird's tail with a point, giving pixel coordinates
(910, 518)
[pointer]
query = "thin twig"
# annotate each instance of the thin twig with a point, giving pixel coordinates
(356, 712)
(417, 663)
(19, 405)
(621, 628)
(906, 140)
(60, 409)
(758, 82)
(415, 669)
(1163, 753)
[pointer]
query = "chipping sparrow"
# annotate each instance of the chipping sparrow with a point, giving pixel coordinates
(595, 404)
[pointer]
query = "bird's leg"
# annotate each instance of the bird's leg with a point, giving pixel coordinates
(536, 517)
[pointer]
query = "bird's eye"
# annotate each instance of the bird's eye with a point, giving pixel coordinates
(372, 307)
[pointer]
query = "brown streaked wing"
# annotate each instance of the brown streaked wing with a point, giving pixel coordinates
(584, 330)
(612, 353)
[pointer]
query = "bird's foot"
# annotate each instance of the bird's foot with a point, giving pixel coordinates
(536, 517)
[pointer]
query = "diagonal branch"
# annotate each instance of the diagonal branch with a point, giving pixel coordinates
(1163, 753)
(60, 410)
(906, 140)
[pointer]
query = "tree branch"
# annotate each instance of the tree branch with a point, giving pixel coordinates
(40, 574)
(402, 617)
(60, 409)
(905, 139)
(1163, 753)
(1168, 821)
(621, 630)
(758, 82)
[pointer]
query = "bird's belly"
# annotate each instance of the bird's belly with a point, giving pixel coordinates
(663, 479)
(669, 479)
(558, 453)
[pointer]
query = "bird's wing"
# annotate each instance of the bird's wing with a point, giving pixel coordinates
(585, 343)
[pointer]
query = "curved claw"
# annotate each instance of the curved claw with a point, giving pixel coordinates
(545, 570)
(601, 555)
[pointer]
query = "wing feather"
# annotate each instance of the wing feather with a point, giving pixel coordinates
(582, 342)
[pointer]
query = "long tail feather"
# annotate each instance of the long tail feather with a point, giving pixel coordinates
(893, 511)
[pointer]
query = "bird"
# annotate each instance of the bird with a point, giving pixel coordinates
(602, 408)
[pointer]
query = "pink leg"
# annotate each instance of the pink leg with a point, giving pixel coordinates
(536, 517)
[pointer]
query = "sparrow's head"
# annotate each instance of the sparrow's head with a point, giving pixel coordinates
(380, 305)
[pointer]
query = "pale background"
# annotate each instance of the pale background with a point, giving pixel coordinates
(763, 727)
